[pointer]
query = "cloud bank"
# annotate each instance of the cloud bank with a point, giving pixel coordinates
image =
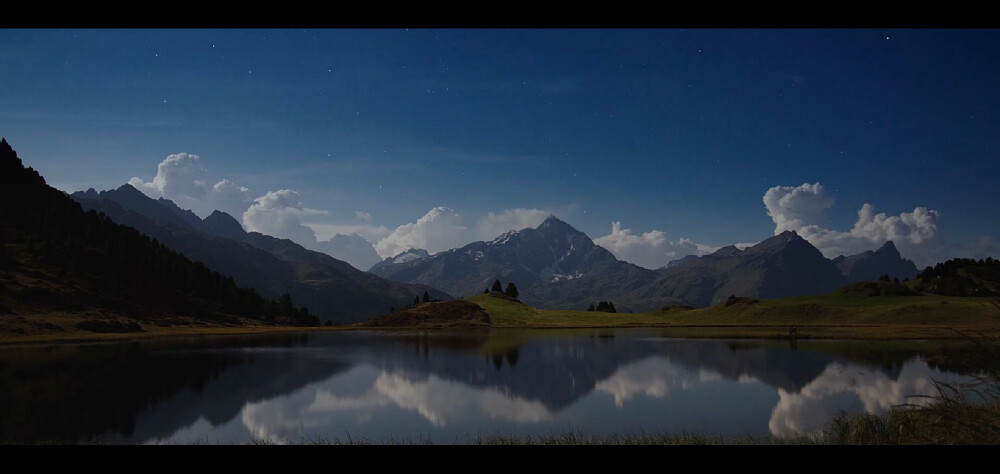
(650, 249)
(182, 179)
(440, 229)
(278, 214)
(918, 235)
(492, 225)
(351, 248)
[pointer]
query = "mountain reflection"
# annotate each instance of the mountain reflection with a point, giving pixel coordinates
(438, 401)
(440, 387)
(560, 384)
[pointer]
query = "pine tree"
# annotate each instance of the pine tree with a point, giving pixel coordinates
(591, 307)
(427, 297)
(511, 290)
(497, 286)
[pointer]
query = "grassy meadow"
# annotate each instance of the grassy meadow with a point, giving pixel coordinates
(835, 315)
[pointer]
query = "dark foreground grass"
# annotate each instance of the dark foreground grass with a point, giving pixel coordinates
(968, 414)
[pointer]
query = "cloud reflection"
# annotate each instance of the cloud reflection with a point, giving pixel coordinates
(806, 412)
(653, 377)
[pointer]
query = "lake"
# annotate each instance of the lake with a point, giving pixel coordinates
(452, 387)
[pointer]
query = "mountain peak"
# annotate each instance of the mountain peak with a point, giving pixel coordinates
(551, 221)
(888, 248)
(128, 189)
(224, 225)
(726, 251)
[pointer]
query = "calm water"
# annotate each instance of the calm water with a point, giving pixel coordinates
(451, 387)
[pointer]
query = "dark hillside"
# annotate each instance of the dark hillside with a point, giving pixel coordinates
(56, 258)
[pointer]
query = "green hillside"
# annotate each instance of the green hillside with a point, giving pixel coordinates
(848, 312)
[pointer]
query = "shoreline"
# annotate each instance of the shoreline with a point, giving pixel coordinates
(695, 331)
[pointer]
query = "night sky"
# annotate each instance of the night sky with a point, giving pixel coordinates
(657, 143)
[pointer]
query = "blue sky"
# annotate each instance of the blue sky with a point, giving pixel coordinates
(434, 138)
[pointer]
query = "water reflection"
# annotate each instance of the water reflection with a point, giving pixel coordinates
(445, 387)
(653, 377)
(853, 388)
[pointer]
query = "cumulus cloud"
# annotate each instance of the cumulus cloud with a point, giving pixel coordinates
(918, 235)
(650, 249)
(183, 179)
(792, 208)
(492, 225)
(279, 213)
(440, 229)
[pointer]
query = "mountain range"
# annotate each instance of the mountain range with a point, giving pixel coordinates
(558, 267)
(330, 288)
(553, 265)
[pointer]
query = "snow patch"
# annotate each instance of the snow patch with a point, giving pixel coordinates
(556, 277)
(406, 257)
(504, 237)
(476, 256)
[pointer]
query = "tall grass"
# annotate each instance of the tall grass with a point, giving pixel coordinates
(960, 413)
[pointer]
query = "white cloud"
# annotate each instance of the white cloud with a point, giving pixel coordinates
(351, 248)
(792, 208)
(440, 229)
(365, 216)
(650, 249)
(278, 214)
(227, 197)
(182, 179)
(492, 225)
(917, 235)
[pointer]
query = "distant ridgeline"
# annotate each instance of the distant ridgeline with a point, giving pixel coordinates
(962, 277)
(54, 257)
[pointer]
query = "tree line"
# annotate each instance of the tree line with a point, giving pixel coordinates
(605, 306)
(962, 277)
(497, 288)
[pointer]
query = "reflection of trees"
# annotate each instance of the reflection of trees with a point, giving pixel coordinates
(498, 358)
(72, 393)
(66, 394)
